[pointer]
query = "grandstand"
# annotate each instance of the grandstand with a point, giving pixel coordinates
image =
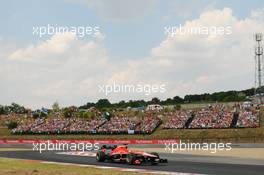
(212, 117)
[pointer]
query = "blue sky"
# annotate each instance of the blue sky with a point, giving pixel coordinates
(133, 37)
(139, 34)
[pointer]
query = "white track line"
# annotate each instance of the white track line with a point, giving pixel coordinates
(122, 169)
(78, 153)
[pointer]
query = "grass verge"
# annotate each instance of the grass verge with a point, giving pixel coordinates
(26, 167)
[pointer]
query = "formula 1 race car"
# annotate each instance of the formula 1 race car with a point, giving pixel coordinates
(123, 155)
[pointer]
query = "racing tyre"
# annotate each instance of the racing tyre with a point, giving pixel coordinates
(152, 160)
(100, 156)
(131, 159)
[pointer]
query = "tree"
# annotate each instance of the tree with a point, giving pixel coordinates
(2, 110)
(16, 108)
(136, 103)
(177, 99)
(103, 103)
(122, 104)
(69, 112)
(12, 125)
(55, 107)
(87, 105)
(155, 100)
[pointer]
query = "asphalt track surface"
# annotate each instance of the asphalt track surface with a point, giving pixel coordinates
(174, 165)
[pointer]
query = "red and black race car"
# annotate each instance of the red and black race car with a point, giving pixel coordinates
(122, 154)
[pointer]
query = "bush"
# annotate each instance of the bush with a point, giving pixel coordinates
(12, 125)
(69, 112)
(178, 107)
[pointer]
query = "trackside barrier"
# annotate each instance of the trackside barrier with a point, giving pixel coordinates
(22, 141)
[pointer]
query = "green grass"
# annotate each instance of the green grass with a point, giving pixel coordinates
(202, 104)
(26, 167)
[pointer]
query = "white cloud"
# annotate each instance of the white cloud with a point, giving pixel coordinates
(183, 9)
(201, 63)
(55, 46)
(258, 14)
(69, 70)
(54, 69)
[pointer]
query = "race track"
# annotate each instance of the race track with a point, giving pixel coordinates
(177, 163)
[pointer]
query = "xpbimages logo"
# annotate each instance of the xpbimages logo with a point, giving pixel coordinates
(79, 31)
(173, 31)
(146, 89)
(50, 146)
(212, 147)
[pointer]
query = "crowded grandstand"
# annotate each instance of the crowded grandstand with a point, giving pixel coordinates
(135, 122)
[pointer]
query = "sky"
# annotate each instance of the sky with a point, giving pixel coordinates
(131, 47)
